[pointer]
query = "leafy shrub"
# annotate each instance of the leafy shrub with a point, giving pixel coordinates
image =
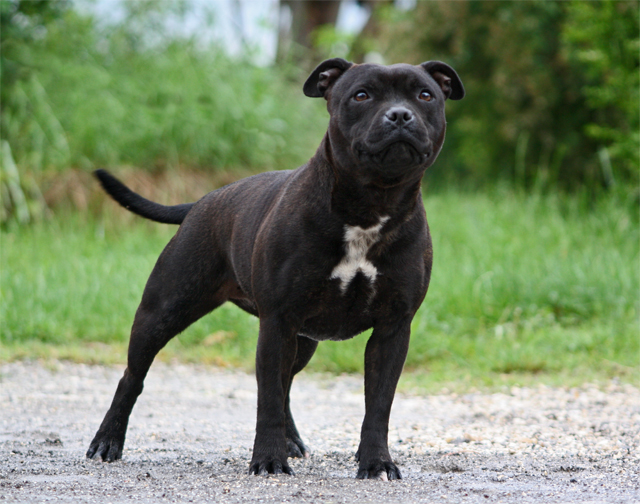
(82, 95)
(552, 87)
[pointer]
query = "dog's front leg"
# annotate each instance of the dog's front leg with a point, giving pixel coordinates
(384, 357)
(276, 353)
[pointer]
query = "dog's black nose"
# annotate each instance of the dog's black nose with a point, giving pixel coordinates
(398, 116)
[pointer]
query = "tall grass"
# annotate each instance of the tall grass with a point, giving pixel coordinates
(181, 106)
(522, 286)
(82, 95)
(530, 283)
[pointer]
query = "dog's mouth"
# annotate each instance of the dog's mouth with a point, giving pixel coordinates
(398, 153)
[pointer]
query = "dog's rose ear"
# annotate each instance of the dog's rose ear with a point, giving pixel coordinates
(324, 76)
(446, 77)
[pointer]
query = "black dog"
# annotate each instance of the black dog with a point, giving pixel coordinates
(326, 251)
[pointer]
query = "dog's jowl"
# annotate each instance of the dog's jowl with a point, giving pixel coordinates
(326, 251)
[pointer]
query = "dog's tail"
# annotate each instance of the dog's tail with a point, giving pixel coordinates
(139, 205)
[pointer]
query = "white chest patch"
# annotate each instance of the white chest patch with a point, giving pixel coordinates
(357, 243)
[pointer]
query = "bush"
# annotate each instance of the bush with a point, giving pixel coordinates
(80, 95)
(552, 87)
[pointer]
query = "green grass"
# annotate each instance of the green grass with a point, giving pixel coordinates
(524, 289)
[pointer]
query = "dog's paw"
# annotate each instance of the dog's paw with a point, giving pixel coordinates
(297, 449)
(105, 447)
(270, 465)
(380, 469)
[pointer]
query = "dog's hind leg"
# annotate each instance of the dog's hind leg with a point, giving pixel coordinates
(295, 445)
(179, 291)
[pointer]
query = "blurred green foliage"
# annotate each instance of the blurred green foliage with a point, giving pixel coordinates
(552, 87)
(24, 119)
(602, 42)
(80, 94)
(553, 94)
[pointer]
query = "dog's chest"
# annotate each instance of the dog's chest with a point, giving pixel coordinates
(357, 243)
(345, 311)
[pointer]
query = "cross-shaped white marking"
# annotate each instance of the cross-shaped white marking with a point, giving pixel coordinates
(357, 241)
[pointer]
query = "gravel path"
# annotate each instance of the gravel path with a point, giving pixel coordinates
(191, 433)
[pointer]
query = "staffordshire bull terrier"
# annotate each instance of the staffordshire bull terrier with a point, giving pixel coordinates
(323, 252)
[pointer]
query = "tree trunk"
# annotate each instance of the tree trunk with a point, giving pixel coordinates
(298, 21)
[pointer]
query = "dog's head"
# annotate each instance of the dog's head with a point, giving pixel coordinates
(387, 122)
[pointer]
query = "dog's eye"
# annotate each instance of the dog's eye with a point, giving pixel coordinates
(425, 95)
(361, 96)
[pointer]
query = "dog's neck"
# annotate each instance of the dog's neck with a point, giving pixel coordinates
(361, 203)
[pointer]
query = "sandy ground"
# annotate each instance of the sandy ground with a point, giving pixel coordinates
(191, 433)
